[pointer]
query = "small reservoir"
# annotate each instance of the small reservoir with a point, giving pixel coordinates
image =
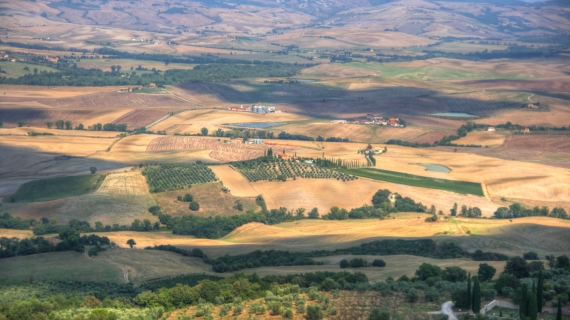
(454, 115)
(435, 167)
(255, 125)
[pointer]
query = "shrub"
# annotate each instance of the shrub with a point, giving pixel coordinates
(344, 264)
(378, 263)
(432, 295)
(412, 295)
(314, 312)
(194, 206)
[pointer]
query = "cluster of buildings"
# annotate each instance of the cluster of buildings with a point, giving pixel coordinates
(376, 150)
(374, 119)
(255, 109)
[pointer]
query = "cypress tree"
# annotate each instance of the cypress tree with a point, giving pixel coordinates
(532, 307)
(539, 291)
(469, 291)
(476, 295)
(524, 301)
(559, 311)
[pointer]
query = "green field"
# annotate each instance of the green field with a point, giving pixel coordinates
(462, 187)
(429, 72)
(56, 188)
(16, 69)
(55, 266)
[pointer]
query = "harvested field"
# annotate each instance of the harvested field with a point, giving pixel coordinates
(557, 115)
(121, 198)
(221, 151)
(193, 121)
(197, 94)
(13, 233)
(133, 144)
(538, 143)
(35, 92)
(431, 137)
(117, 100)
(213, 201)
(539, 234)
(78, 133)
(482, 138)
(238, 184)
(140, 118)
(40, 117)
(354, 132)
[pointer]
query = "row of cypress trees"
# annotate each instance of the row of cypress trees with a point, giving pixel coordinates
(531, 301)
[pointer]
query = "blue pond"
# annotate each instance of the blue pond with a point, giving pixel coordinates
(435, 167)
(454, 114)
(257, 125)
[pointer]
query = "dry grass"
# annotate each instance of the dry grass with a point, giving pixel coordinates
(237, 183)
(34, 92)
(539, 234)
(12, 233)
(213, 201)
(12, 113)
(482, 138)
(121, 198)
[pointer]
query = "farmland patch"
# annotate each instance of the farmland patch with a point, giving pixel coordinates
(55, 188)
(462, 187)
(140, 118)
(164, 177)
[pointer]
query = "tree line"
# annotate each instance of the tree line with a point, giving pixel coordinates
(75, 76)
(517, 210)
(68, 241)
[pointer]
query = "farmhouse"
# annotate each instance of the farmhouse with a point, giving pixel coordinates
(152, 85)
(492, 129)
(236, 140)
(363, 121)
(525, 130)
(52, 59)
(283, 156)
(240, 108)
(338, 121)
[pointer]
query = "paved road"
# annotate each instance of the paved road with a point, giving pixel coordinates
(446, 308)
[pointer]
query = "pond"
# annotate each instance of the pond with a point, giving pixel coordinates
(435, 167)
(454, 115)
(304, 80)
(256, 125)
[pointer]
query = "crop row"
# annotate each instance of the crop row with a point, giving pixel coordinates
(282, 170)
(164, 177)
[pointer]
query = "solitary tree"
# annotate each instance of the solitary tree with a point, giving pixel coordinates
(68, 125)
(113, 68)
(559, 311)
(93, 170)
(344, 263)
(314, 213)
(49, 125)
(131, 243)
(20, 123)
(532, 306)
(204, 131)
(454, 210)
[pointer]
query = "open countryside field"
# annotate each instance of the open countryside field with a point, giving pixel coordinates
(31, 116)
(482, 138)
(213, 201)
(56, 188)
(56, 266)
(16, 69)
(413, 180)
(194, 120)
(540, 234)
(121, 198)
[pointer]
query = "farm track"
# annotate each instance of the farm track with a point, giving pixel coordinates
(124, 270)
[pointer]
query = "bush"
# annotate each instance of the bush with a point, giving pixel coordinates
(314, 312)
(432, 295)
(412, 295)
(344, 264)
(376, 314)
(378, 263)
(194, 206)
(488, 294)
